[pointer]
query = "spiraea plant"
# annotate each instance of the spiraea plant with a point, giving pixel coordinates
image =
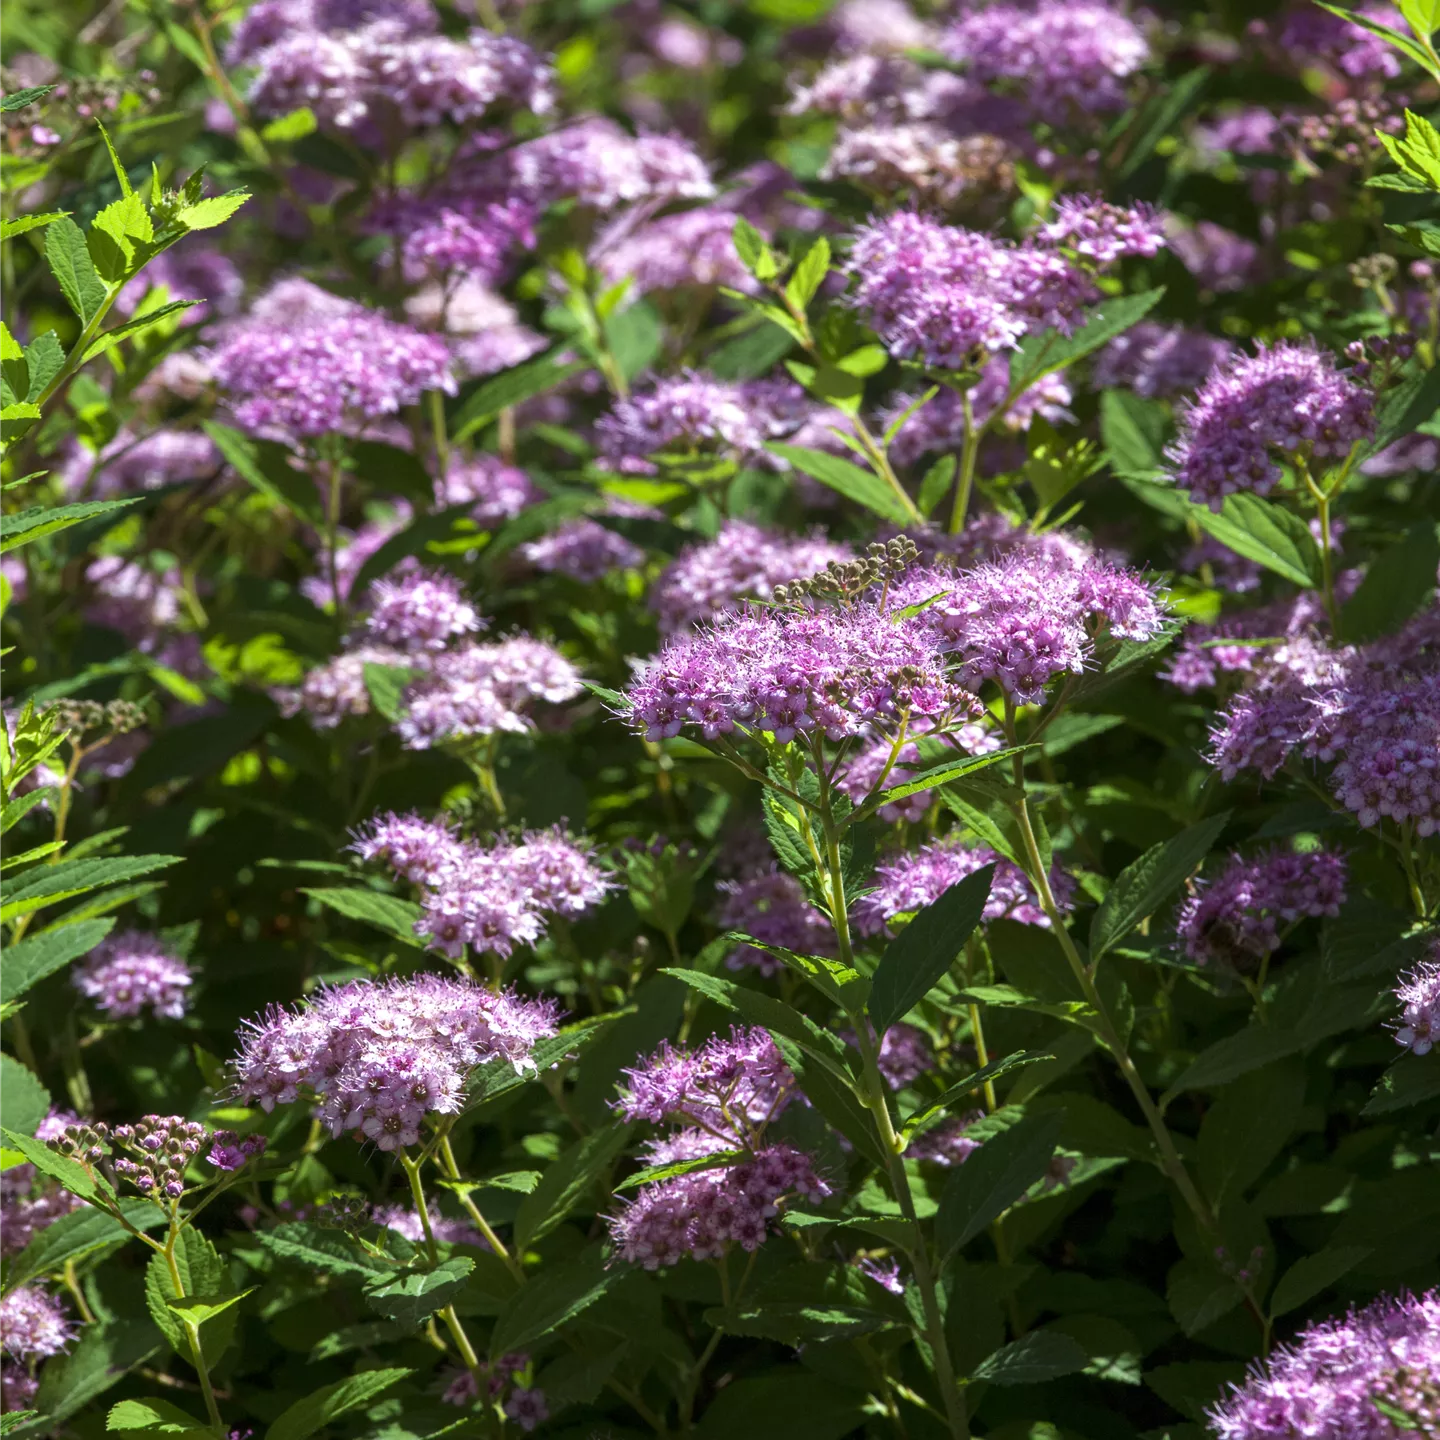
(720, 720)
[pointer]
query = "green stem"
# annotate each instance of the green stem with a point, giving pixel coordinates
(192, 1333)
(969, 452)
(452, 1172)
(438, 432)
(877, 1100)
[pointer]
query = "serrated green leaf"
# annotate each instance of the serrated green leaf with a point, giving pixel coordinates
(809, 274)
(971, 1085)
(70, 1173)
(510, 388)
(216, 210)
(1031, 1360)
(1266, 533)
(23, 1099)
(25, 526)
(328, 1403)
(69, 259)
(549, 1299)
(326, 1251)
(567, 1182)
(133, 327)
(1043, 354)
(203, 1274)
(413, 1297)
(19, 99)
(157, 1417)
(75, 877)
(33, 958)
(389, 913)
(1311, 1274)
(74, 1236)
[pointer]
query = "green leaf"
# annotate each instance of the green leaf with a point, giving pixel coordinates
(111, 338)
(1397, 582)
(1402, 43)
(786, 1403)
(1159, 115)
(16, 810)
(386, 685)
(510, 388)
(317, 1410)
(1043, 354)
(833, 1095)
(936, 484)
(195, 1310)
(1133, 430)
(327, 1251)
(102, 1357)
(651, 1174)
(70, 1173)
(863, 486)
(289, 128)
(114, 235)
(69, 259)
(946, 771)
(1311, 1274)
(32, 959)
(212, 211)
(993, 1178)
(266, 466)
(45, 359)
(1246, 1127)
(23, 1099)
(19, 99)
(1413, 403)
(158, 1417)
(25, 526)
(74, 1236)
(121, 178)
(1034, 1358)
(567, 1182)
(550, 1298)
(971, 1085)
(1266, 533)
(925, 949)
(1199, 1295)
(1411, 1080)
(498, 1077)
(25, 223)
(634, 335)
(53, 883)
(412, 1298)
(1140, 888)
(203, 1274)
(389, 913)
(809, 274)
(755, 254)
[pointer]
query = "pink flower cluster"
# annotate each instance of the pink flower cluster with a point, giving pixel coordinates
(914, 879)
(742, 561)
(1345, 1379)
(490, 898)
(129, 972)
(379, 1056)
(420, 610)
(1235, 918)
(1418, 1028)
(772, 907)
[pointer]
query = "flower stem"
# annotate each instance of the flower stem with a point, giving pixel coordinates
(877, 1100)
(452, 1172)
(969, 452)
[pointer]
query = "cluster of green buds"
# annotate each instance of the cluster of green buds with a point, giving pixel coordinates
(81, 718)
(843, 582)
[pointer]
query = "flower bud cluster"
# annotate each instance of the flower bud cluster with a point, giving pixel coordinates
(80, 718)
(844, 581)
(153, 1153)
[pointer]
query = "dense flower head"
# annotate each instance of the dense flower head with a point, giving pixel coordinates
(702, 1214)
(33, 1323)
(1418, 1028)
(1101, 233)
(690, 413)
(366, 81)
(730, 1087)
(1310, 33)
(946, 296)
(488, 897)
(924, 158)
(1030, 616)
(496, 489)
(787, 672)
(130, 462)
(599, 164)
(419, 610)
(473, 236)
(904, 1055)
(480, 689)
(230, 1151)
(1236, 918)
(1158, 360)
(337, 689)
(1068, 60)
(314, 376)
(914, 879)
(1344, 1379)
(379, 1056)
(1286, 398)
(583, 549)
(408, 1224)
(129, 972)
(1218, 258)
(742, 561)
(694, 247)
(773, 908)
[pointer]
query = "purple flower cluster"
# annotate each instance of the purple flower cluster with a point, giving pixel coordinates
(692, 414)
(459, 235)
(378, 1057)
(584, 549)
(152, 1154)
(772, 907)
(923, 158)
(1286, 398)
(337, 689)
(326, 373)
(950, 298)
(33, 1324)
(695, 247)
(491, 898)
(378, 82)
(1218, 258)
(600, 165)
(130, 462)
(1100, 233)
(421, 610)
(1418, 1028)
(1067, 60)
(497, 490)
(28, 1201)
(786, 672)
(1346, 1379)
(1158, 360)
(1024, 619)
(904, 1056)
(229, 1151)
(477, 690)
(1235, 918)
(129, 972)
(409, 1225)
(917, 878)
(947, 1144)
(867, 768)
(743, 560)
(725, 1094)
(1309, 33)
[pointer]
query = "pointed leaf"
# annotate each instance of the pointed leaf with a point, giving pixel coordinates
(69, 259)
(1311, 1274)
(37, 956)
(863, 486)
(317, 1410)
